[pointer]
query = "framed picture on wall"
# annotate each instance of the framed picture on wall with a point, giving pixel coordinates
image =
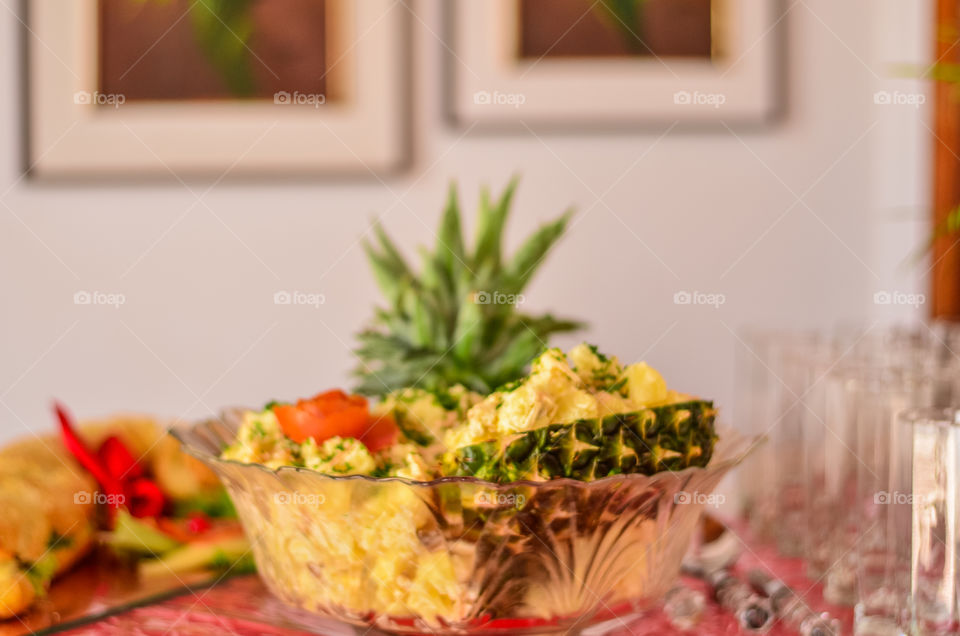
(153, 87)
(613, 62)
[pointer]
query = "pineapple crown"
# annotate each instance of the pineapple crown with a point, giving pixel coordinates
(455, 322)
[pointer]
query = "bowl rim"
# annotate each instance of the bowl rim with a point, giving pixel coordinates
(742, 445)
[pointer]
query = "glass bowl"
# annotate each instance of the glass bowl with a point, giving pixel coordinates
(460, 555)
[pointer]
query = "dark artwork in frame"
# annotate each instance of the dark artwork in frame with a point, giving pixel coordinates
(214, 50)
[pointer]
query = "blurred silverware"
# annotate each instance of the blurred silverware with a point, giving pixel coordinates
(791, 609)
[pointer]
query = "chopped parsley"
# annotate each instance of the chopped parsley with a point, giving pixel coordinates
(41, 572)
(593, 349)
(617, 386)
(57, 540)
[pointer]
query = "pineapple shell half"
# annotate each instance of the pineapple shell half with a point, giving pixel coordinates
(650, 440)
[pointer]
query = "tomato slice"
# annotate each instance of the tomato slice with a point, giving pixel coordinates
(329, 414)
(344, 418)
(381, 433)
(296, 423)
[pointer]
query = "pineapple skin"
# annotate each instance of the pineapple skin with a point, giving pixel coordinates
(668, 437)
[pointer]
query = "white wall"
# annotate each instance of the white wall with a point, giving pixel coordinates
(718, 211)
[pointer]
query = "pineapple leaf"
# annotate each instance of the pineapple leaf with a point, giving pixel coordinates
(530, 255)
(490, 226)
(437, 331)
(519, 352)
(391, 254)
(547, 324)
(376, 345)
(386, 276)
(450, 251)
(468, 329)
(421, 319)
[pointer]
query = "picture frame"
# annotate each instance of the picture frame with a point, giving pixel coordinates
(491, 85)
(76, 132)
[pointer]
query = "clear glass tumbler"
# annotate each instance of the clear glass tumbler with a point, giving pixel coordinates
(881, 396)
(801, 368)
(923, 521)
(771, 380)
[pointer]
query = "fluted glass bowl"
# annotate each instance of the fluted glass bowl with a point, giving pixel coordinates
(459, 555)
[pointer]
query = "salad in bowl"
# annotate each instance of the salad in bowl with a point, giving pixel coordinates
(557, 500)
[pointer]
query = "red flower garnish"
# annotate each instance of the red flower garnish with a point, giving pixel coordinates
(119, 474)
(118, 460)
(198, 523)
(144, 498)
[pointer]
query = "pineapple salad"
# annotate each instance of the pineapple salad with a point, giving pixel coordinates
(580, 415)
(378, 546)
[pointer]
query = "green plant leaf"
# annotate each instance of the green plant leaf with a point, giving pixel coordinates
(490, 222)
(436, 332)
(223, 29)
(627, 17)
(449, 239)
(386, 276)
(392, 256)
(468, 329)
(530, 255)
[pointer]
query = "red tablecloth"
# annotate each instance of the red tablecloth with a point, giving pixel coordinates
(243, 606)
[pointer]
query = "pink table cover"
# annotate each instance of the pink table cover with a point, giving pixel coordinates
(243, 606)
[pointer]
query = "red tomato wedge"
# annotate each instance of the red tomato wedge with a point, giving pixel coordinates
(335, 414)
(297, 424)
(382, 432)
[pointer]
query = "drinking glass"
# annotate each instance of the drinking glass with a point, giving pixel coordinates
(771, 379)
(922, 517)
(880, 397)
(800, 365)
(827, 459)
